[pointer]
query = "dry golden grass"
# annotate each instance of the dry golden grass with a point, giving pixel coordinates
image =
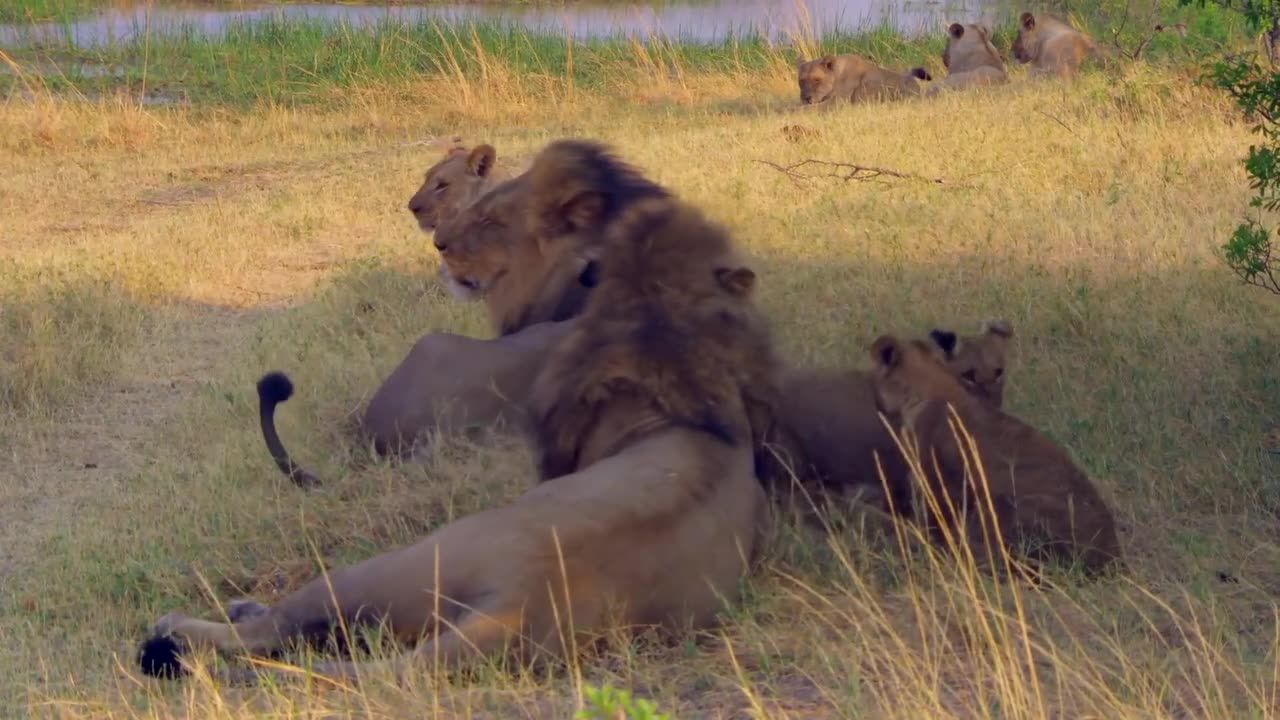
(160, 260)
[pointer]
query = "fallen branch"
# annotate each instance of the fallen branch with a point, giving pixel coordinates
(846, 172)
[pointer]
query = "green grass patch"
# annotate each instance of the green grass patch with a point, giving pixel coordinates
(296, 60)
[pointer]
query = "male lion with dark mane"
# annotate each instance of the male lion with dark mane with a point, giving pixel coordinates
(854, 78)
(1044, 506)
(453, 183)
(529, 267)
(648, 511)
(1051, 46)
(971, 60)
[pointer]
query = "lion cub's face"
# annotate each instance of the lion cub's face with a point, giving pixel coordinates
(909, 373)
(1026, 46)
(476, 244)
(452, 184)
(817, 79)
(979, 361)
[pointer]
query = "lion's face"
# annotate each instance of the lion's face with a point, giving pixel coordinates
(910, 373)
(452, 184)
(478, 243)
(817, 80)
(1026, 43)
(969, 46)
(979, 361)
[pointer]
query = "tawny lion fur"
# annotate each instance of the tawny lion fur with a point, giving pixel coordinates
(853, 78)
(1052, 47)
(453, 183)
(828, 432)
(971, 60)
(528, 267)
(1046, 508)
(644, 417)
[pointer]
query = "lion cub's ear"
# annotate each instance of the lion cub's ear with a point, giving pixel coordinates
(738, 282)
(481, 160)
(829, 62)
(944, 339)
(886, 352)
(1003, 328)
(1028, 21)
(956, 30)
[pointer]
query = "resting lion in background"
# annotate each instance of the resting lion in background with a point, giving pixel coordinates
(971, 60)
(828, 432)
(1046, 508)
(648, 509)
(453, 183)
(1052, 47)
(855, 79)
(526, 256)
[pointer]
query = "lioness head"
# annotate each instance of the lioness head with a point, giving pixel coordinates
(909, 373)
(817, 79)
(670, 336)
(1026, 46)
(452, 184)
(979, 360)
(968, 47)
(524, 246)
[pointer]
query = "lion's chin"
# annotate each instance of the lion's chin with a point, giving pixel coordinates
(460, 288)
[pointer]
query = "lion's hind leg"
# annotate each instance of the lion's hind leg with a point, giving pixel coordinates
(172, 635)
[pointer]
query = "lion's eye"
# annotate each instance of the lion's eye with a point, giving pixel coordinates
(442, 187)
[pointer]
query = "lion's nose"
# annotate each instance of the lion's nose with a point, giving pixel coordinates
(441, 245)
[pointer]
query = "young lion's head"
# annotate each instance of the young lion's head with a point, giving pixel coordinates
(969, 47)
(910, 373)
(817, 78)
(979, 360)
(452, 184)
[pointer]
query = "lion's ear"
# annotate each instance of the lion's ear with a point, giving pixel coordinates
(738, 282)
(944, 339)
(1028, 21)
(481, 160)
(590, 275)
(886, 352)
(1003, 328)
(829, 62)
(583, 211)
(956, 30)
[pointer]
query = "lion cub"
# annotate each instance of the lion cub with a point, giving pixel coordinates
(854, 78)
(829, 433)
(971, 60)
(1052, 47)
(1045, 506)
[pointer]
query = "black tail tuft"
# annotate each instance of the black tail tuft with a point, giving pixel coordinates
(920, 73)
(274, 388)
(158, 658)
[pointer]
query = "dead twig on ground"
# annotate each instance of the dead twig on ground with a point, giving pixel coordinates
(846, 172)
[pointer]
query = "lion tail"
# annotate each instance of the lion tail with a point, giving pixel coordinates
(920, 73)
(273, 389)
